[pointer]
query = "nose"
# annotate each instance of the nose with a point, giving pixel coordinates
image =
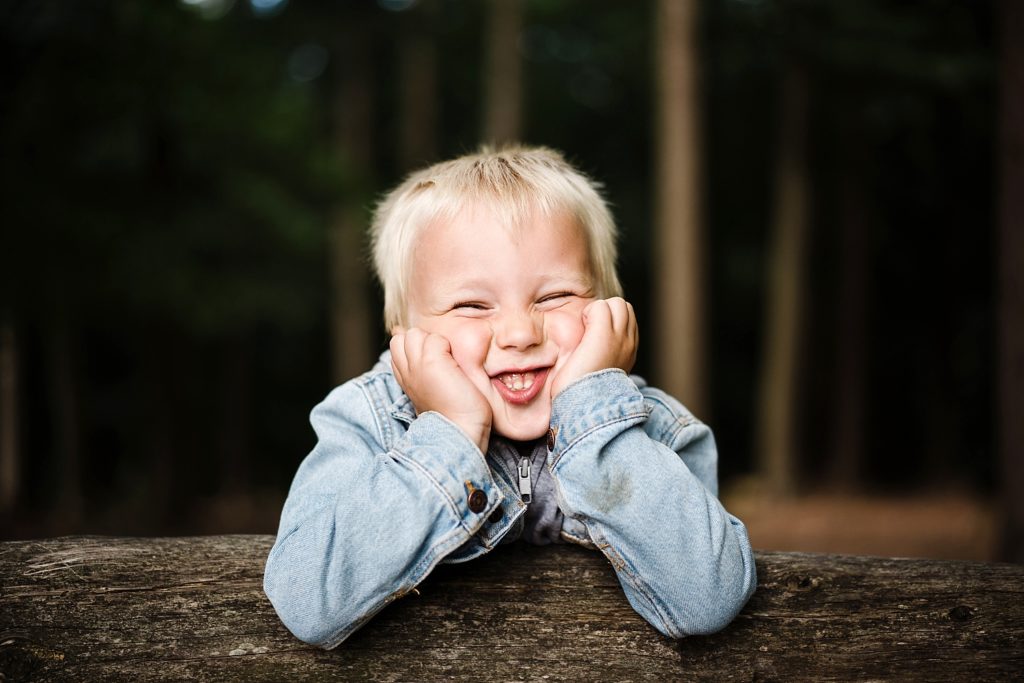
(519, 330)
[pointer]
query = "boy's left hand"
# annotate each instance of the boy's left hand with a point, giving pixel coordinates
(610, 339)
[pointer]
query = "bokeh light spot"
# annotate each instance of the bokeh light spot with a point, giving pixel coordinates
(396, 5)
(266, 8)
(307, 62)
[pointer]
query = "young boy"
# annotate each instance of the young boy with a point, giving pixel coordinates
(503, 411)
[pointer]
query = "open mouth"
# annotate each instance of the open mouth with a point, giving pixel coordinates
(518, 381)
(522, 386)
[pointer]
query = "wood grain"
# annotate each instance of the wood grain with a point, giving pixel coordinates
(169, 609)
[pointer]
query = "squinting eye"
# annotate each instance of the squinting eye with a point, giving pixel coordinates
(556, 297)
(473, 305)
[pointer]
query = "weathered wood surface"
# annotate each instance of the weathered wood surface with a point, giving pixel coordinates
(170, 609)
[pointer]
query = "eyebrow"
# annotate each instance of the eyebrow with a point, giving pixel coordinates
(480, 285)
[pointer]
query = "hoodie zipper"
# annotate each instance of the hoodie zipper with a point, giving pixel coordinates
(524, 480)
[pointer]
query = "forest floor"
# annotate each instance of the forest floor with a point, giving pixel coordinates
(941, 525)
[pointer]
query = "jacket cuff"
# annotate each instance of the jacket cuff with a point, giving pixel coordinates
(445, 455)
(594, 401)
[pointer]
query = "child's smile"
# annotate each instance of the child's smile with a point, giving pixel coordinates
(521, 386)
(510, 303)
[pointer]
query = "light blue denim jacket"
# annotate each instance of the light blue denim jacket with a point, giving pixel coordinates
(384, 497)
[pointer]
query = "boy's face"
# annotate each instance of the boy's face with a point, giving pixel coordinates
(511, 310)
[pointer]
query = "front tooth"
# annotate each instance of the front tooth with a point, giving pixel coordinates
(519, 381)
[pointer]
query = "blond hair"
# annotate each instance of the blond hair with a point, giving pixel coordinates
(512, 182)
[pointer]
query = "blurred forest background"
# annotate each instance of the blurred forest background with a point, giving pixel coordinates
(820, 205)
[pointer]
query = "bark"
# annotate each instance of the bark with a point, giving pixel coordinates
(98, 609)
(1010, 260)
(350, 315)
(679, 250)
(777, 441)
(503, 89)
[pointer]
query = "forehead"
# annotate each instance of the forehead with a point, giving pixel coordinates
(477, 242)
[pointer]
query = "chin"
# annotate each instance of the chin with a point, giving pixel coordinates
(522, 432)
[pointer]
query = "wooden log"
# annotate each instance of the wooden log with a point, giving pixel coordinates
(148, 609)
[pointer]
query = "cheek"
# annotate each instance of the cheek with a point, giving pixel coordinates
(565, 328)
(470, 341)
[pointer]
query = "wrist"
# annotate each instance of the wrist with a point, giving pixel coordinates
(476, 432)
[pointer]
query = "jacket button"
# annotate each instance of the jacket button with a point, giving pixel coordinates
(477, 501)
(495, 516)
(551, 439)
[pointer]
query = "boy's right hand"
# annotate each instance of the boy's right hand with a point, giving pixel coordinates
(430, 376)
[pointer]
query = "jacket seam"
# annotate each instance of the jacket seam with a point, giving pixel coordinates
(386, 435)
(437, 553)
(377, 410)
(630, 417)
(623, 568)
(435, 483)
(678, 424)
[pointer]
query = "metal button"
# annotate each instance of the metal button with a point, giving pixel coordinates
(551, 439)
(477, 501)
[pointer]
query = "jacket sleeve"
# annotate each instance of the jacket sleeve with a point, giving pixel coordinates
(646, 491)
(369, 514)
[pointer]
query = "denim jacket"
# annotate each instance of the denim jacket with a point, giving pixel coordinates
(387, 494)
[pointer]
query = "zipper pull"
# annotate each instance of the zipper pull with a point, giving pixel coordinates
(524, 480)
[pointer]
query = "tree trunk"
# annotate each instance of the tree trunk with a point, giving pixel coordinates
(678, 242)
(777, 439)
(1010, 364)
(10, 475)
(418, 82)
(235, 425)
(159, 438)
(846, 467)
(351, 330)
(66, 424)
(503, 88)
